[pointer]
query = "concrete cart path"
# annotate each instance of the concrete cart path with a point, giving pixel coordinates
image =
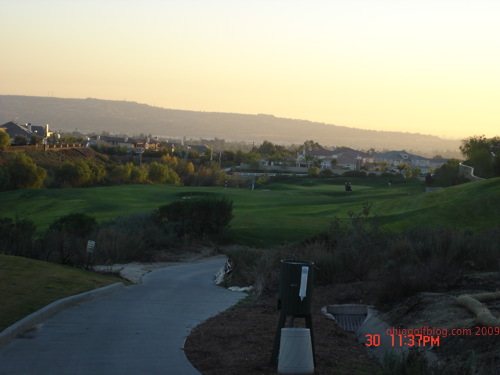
(140, 329)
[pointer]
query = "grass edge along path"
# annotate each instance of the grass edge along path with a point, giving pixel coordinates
(27, 285)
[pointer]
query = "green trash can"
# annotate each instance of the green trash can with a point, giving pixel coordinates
(296, 287)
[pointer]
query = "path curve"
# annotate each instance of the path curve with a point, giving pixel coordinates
(139, 330)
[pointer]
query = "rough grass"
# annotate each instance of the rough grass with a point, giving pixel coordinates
(26, 285)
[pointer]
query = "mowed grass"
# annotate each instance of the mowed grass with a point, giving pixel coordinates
(26, 285)
(279, 213)
(474, 206)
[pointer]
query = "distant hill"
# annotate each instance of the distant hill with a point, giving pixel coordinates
(122, 117)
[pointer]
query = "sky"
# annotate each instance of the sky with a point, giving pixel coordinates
(426, 66)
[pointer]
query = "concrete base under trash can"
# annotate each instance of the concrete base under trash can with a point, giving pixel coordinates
(296, 355)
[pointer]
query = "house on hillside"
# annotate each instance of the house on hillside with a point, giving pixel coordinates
(200, 149)
(129, 143)
(184, 150)
(151, 144)
(306, 158)
(395, 158)
(344, 158)
(352, 160)
(13, 129)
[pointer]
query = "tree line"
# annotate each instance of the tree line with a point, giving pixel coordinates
(480, 153)
(21, 172)
(190, 168)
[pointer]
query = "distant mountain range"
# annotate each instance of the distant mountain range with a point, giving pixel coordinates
(122, 117)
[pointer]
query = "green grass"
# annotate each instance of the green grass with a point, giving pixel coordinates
(281, 212)
(26, 285)
(474, 206)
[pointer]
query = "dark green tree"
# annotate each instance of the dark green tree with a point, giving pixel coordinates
(267, 148)
(197, 217)
(448, 174)
(162, 174)
(24, 173)
(20, 140)
(479, 153)
(74, 174)
(313, 171)
(98, 172)
(120, 174)
(4, 140)
(138, 175)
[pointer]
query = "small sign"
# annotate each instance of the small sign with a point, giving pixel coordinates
(90, 246)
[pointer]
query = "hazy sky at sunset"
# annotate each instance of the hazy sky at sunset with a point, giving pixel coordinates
(426, 66)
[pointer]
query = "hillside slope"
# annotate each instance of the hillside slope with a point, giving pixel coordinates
(55, 158)
(93, 115)
(465, 206)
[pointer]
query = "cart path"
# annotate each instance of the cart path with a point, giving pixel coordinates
(139, 330)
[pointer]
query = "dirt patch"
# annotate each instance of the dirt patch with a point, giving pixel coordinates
(240, 341)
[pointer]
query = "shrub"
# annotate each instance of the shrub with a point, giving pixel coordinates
(326, 173)
(120, 174)
(66, 239)
(199, 217)
(426, 259)
(16, 236)
(81, 173)
(24, 173)
(354, 174)
(4, 140)
(448, 174)
(313, 171)
(128, 238)
(162, 174)
(356, 245)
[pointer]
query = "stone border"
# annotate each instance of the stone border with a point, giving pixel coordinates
(51, 309)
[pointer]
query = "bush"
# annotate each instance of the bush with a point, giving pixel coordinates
(326, 173)
(24, 173)
(128, 238)
(313, 171)
(198, 217)
(354, 174)
(346, 251)
(66, 239)
(162, 174)
(426, 259)
(16, 236)
(4, 140)
(448, 174)
(245, 267)
(81, 173)
(350, 250)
